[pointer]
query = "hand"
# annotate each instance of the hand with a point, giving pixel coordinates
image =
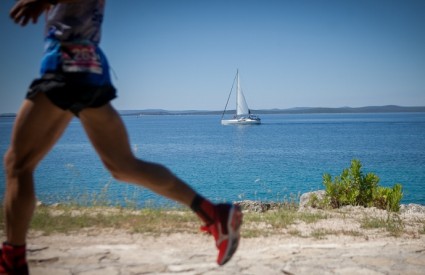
(26, 10)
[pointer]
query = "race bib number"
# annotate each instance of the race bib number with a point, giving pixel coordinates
(77, 58)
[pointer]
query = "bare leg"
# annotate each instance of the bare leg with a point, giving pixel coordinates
(37, 127)
(109, 137)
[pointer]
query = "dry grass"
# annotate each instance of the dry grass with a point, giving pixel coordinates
(318, 224)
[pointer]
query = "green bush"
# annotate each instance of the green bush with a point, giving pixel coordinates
(352, 187)
(388, 198)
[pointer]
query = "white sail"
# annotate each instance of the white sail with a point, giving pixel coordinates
(243, 116)
(241, 105)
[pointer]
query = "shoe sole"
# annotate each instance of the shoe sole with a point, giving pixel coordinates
(234, 223)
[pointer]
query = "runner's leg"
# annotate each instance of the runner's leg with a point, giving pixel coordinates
(109, 137)
(37, 127)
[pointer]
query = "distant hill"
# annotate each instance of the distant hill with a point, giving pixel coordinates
(367, 109)
(8, 115)
(296, 110)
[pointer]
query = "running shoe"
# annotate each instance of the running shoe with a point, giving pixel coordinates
(6, 270)
(226, 230)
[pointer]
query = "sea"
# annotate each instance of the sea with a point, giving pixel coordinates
(276, 161)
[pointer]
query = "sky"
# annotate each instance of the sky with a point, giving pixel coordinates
(183, 54)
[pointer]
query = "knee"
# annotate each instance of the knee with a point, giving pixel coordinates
(117, 174)
(119, 170)
(15, 165)
(9, 161)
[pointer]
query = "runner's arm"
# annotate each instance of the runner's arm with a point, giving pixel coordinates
(26, 10)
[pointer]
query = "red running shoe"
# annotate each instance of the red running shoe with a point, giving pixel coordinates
(20, 264)
(226, 230)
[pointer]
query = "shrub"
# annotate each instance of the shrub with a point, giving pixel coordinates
(352, 187)
(388, 198)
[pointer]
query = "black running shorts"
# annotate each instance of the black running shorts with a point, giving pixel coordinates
(66, 92)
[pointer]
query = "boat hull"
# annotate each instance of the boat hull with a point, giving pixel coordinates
(241, 121)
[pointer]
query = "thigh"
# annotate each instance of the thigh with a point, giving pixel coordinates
(108, 134)
(38, 125)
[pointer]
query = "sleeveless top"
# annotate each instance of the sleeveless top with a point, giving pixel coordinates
(72, 22)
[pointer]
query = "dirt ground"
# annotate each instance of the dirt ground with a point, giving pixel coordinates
(366, 251)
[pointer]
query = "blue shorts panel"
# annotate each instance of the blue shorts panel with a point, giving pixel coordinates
(83, 58)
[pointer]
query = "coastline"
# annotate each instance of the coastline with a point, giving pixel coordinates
(294, 110)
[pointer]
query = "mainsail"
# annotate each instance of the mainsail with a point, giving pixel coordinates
(241, 105)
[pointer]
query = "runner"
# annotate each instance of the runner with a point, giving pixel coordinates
(75, 81)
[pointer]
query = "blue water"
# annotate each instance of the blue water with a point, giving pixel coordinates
(278, 160)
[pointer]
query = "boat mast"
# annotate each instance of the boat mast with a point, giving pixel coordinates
(228, 98)
(238, 87)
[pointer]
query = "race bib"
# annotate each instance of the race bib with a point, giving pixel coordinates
(77, 58)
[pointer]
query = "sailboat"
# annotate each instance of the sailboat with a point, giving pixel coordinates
(243, 115)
